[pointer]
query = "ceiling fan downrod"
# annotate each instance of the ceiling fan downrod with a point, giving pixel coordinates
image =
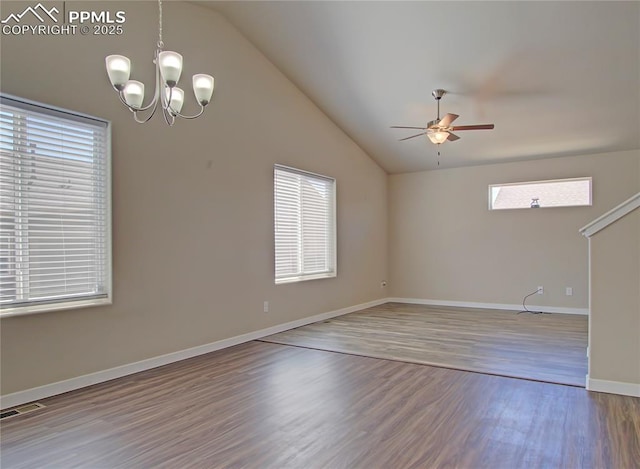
(438, 94)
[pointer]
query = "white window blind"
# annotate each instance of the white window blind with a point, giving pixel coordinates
(54, 208)
(305, 225)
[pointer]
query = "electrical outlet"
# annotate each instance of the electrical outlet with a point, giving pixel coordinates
(540, 290)
(383, 284)
(568, 291)
(265, 307)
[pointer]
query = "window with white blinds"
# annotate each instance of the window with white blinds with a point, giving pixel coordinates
(305, 225)
(54, 208)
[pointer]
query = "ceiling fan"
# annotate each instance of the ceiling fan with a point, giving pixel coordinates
(441, 130)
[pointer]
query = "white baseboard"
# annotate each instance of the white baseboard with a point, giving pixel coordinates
(613, 387)
(471, 304)
(48, 390)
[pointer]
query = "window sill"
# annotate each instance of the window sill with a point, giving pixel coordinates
(49, 307)
(280, 281)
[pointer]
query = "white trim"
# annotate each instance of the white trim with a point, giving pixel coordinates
(67, 303)
(302, 275)
(544, 181)
(305, 278)
(28, 104)
(590, 289)
(35, 308)
(611, 216)
(472, 304)
(613, 387)
(547, 181)
(52, 389)
(304, 172)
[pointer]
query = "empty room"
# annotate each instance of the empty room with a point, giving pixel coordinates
(319, 234)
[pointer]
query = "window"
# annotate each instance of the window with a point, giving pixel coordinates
(556, 193)
(305, 225)
(54, 208)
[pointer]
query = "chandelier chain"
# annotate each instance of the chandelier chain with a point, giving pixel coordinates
(160, 43)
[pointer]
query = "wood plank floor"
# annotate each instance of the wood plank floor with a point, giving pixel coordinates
(542, 347)
(262, 405)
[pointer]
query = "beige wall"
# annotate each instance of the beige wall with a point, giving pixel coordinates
(192, 204)
(614, 339)
(192, 209)
(444, 244)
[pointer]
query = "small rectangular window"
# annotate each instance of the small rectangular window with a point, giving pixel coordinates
(574, 192)
(54, 208)
(305, 225)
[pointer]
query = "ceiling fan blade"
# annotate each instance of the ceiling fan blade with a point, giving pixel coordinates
(416, 135)
(447, 120)
(452, 137)
(473, 127)
(400, 127)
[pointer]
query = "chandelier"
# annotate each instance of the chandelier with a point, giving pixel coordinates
(168, 70)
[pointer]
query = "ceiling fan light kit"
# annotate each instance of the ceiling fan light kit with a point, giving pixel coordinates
(437, 136)
(441, 130)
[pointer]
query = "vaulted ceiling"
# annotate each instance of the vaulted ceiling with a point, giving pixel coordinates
(556, 78)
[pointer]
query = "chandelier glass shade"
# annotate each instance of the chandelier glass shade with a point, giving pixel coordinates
(167, 95)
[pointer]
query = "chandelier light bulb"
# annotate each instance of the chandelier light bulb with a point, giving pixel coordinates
(203, 88)
(134, 93)
(118, 69)
(175, 96)
(170, 67)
